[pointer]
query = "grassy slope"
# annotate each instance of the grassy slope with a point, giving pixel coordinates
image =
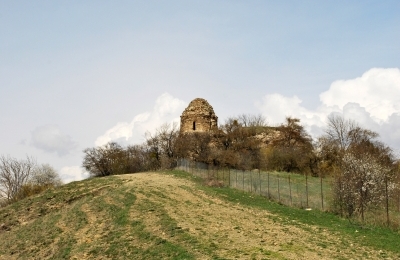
(96, 219)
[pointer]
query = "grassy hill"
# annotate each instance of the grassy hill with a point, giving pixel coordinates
(171, 215)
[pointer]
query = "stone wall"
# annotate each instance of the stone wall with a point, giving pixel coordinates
(199, 116)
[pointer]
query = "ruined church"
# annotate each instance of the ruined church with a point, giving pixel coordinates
(199, 116)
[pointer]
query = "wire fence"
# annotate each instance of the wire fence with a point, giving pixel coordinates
(289, 189)
(294, 190)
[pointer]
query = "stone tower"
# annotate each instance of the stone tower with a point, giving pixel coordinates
(199, 116)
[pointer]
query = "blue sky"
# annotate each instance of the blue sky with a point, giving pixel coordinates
(76, 73)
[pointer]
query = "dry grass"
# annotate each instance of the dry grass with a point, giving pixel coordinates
(162, 216)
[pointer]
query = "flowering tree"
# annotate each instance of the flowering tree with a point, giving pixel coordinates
(362, 183)
(361, 165)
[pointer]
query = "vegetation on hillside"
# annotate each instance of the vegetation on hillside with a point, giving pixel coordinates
(364, 170)
(172, 215)
(23, 178)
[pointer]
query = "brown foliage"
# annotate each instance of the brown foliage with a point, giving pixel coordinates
(292, 150)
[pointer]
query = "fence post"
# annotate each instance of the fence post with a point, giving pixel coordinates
(268, 187)
(251, 181)
(248, 188)
(340, 196)
(307, 188)
(259, 179)
(279, 191)
(236, 183)
(290, 192)
(243, 180)
(229, 177)
(322, 194)
(223, 176)
(387, 201)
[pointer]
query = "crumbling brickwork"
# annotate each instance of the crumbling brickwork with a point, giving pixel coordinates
(199, 116)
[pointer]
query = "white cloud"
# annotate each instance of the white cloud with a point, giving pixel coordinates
(372, 100)
(72, 173)
(377, 90)
(49, 138)
(166, 109)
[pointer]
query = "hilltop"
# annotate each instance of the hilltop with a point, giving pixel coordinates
(170, 215)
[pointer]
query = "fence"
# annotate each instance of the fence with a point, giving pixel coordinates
(294, 190)
(289, 189)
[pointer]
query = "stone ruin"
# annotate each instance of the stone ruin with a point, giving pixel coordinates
(199, 116)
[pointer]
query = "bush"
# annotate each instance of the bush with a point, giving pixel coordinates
(45, 175)
(32, 189)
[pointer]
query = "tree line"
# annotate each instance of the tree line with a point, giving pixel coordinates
(21, 178)
(363, 169)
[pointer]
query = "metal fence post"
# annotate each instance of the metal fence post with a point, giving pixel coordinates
(259, 179)
(268, 187)
(236, 183)
(387, 202)
(251, 181)
(307, 188)
(322, 194)
(290, 192)
(279, 192)
(243, 180)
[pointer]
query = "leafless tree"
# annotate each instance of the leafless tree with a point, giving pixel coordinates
(342, 136)
(14, 174)
(162, 145)
(45, 175)
(339, 131)
(138, 158)
(248, 120)
(105, 160)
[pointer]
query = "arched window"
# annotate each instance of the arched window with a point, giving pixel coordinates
(194, 125)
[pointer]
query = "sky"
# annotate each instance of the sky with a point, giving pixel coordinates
(78, 74)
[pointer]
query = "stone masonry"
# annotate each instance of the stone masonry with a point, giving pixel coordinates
(199, 116)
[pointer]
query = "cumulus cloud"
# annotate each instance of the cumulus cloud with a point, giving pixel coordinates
(377, 90)
(166, 109)
(372, 100)
(72, 173)
(49, 138)
(276, 108)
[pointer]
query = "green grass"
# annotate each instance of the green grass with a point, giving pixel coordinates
(377, 237)
(56, 217)
(297, 190)
(103, 217)
(287, 188)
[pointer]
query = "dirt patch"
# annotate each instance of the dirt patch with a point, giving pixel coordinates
(232, 230)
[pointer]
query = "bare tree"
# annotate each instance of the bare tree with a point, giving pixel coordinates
(105, 160)
(162, 145)
(138, 158)
(339, 131)
(342, 136)
(14, 174)
(247, 120)
(45, 175)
